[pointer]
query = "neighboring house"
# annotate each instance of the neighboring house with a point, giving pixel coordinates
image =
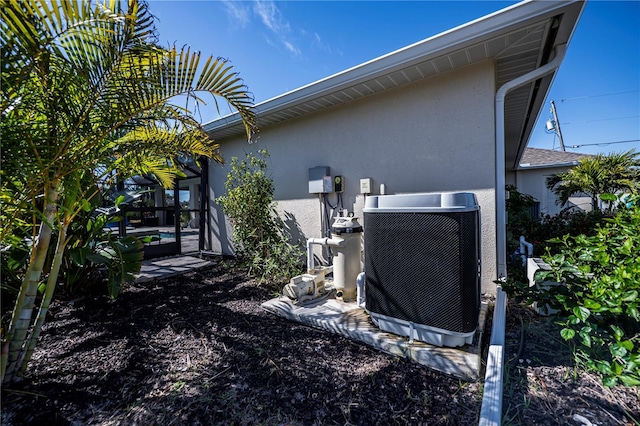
(531, 178)
(453, 112)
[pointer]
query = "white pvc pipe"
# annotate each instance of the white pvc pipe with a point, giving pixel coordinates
(334, 242)
(524, 244)
(360, 297)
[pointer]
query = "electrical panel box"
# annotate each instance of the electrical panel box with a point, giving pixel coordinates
(365, 185)
(338, 184)
(317, 184)
(327, 185)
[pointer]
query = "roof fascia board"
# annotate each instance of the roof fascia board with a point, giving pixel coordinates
(491, 25)
(547, 166)
(551, 79)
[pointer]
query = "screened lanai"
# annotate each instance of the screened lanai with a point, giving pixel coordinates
(168, 221)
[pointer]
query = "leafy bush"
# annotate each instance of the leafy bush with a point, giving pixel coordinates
(598, 297)
(258, 231)
(520, 220)
(570, 221)
(541, 230)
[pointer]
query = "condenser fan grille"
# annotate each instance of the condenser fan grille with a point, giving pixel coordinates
(424, 268)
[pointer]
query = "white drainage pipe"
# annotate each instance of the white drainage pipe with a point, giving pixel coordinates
(525, 250)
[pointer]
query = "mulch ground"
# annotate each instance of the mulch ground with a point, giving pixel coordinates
(544, 386)
(198, 350)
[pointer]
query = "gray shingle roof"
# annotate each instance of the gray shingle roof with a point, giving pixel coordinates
(533, 157)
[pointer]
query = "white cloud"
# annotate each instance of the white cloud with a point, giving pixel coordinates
(291, 48)
(317, 42)
(271, 16)
(268, 13)
(237, 12)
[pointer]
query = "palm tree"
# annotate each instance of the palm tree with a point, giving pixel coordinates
(85, 87)
(598, 175)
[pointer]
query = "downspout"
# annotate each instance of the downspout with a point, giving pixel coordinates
(491, 411)
(176, 214)
(501, 243)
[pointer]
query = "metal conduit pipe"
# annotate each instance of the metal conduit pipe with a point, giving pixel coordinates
(491, 411)
(334, 242)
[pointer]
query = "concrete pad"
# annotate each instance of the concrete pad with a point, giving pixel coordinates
(351, 321)
(169, 266)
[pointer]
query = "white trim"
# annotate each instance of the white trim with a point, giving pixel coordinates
(446, 42)
(527, 166)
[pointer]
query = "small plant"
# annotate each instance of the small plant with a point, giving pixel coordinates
(258, 231)
(520, 218)
(185, 218)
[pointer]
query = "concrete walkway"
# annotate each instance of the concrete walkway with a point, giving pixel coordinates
(165, 267)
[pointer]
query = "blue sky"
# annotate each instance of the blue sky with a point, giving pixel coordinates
(283, 45)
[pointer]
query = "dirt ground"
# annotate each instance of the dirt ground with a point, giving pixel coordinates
(197, 349)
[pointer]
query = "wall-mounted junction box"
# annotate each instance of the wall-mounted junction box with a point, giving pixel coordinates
(366, 185)
(317, 180)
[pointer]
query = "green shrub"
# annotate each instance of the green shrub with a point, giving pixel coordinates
(542, 230)
(258, 232)
(570, 221)
(520, 220)
(599, 296)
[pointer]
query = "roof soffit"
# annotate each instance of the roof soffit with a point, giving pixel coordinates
(518, 46)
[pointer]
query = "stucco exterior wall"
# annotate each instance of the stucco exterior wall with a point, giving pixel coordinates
(436, 135)
(533, 182)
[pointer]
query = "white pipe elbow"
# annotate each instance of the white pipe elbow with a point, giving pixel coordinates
(524, 244)
(333, 242)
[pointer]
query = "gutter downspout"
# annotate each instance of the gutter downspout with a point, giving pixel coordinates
(491, 411)
(501, 246)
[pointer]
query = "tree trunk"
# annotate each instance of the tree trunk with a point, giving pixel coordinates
(17, 334)
(52, 282)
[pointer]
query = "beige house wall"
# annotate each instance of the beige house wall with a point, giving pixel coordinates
(533, 182)
(436, 135)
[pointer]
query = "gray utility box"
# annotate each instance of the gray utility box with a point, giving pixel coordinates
(422, 265)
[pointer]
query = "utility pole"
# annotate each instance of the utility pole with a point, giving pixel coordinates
(557, 125)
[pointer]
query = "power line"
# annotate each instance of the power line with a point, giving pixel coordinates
(599, 96)
(603, 143)
(602, 119)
